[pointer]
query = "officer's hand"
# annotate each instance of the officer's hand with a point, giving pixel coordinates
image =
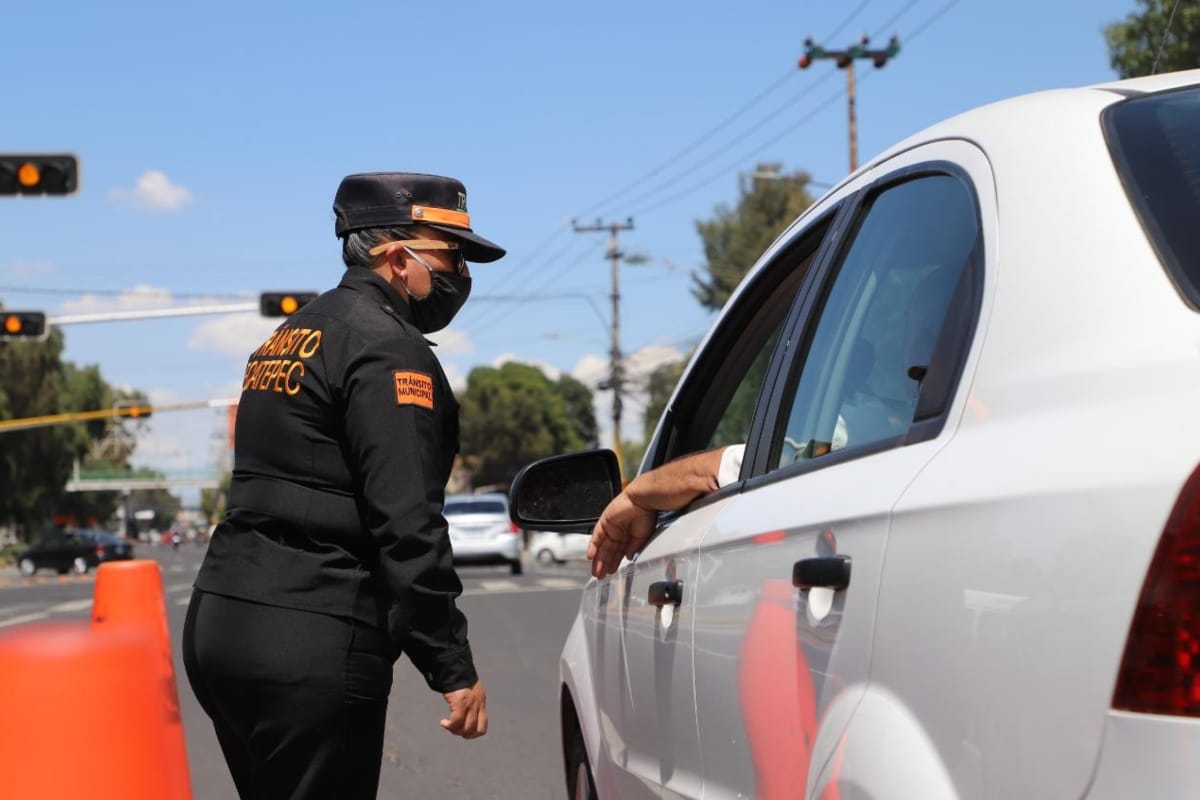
(468, 712)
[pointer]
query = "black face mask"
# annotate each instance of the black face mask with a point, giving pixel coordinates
(435, 310)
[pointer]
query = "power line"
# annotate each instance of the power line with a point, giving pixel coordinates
(691, 147)
(729, 145)
(849, 18)
(883, 28)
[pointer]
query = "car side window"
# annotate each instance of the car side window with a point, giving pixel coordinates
(879, 319)
(717, 404)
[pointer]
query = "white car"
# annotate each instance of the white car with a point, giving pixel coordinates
(481, 531)
(553, 547)
(962, 559)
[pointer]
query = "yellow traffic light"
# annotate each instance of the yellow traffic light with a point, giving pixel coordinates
(28, 175)
(283, 304)
(23, 174)
(22, 325)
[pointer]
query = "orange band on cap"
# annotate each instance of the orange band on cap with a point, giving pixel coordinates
(443, 216)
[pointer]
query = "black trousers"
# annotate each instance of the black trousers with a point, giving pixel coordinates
(298, 699)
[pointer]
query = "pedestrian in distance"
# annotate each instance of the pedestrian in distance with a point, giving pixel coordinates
(333, 558)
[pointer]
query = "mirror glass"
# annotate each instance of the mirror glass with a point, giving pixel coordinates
(568, 489)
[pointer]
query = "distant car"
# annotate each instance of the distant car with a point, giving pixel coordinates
(77, 551)
(481, 532)
(550, 547)
(962, 556)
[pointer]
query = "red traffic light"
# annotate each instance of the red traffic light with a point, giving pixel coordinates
(24, 174)
(23, 325)
(283, 304)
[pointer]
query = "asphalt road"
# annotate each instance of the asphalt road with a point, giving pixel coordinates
(517, 627)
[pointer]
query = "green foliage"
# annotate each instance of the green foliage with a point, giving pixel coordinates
(514, 414)
(659, 385)
(1134, 43)
(735, 238)
(35, 464)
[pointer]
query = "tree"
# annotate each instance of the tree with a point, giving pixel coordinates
(659, 385)
(734, 239)
(1134, 43)
(36, 463)
(514, 414)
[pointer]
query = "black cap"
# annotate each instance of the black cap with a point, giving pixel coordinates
(388, 199)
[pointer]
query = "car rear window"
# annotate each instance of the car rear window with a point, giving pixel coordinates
(475, 507)
(1155, 142)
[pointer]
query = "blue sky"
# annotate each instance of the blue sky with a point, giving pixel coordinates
(212, 137)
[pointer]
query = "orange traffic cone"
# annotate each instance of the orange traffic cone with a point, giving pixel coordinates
(130, 594)
(75, 717)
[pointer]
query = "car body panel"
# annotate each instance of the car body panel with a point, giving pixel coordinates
(642, 671)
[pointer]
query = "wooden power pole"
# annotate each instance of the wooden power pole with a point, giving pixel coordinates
(845, 60)
(617, 370)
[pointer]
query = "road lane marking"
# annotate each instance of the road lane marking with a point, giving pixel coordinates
(179, 587)
(560, 583)
(26, 618)
(500, 586)
(74, 605)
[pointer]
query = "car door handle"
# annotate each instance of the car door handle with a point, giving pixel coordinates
(666, 593)
(830, 572)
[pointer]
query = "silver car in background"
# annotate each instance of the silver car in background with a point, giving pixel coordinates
(481, 532)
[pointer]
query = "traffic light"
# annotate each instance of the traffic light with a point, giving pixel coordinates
(132, 410)
(22, 174)
(283, 304)
(23, 325)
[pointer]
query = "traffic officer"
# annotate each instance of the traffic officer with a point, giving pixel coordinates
(333, 557)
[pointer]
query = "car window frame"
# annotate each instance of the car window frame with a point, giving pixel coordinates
(947, 362)
(669, 441)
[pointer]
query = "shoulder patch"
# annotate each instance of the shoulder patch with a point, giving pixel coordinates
(413, 389)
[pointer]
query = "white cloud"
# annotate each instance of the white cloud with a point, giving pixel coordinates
(30, 269)
(458, 381)
(153, 192)
(232, 334)
(552, 372)
(452, 342)
(139, 297)
(592, 369)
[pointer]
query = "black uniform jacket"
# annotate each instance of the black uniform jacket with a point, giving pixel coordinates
(346, 433)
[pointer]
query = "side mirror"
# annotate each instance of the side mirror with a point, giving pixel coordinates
(565, 493)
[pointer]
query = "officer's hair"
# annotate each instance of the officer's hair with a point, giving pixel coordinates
(356, 245)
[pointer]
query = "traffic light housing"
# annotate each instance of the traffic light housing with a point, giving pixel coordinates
(23, 325)
(26, 174)
(283, 304)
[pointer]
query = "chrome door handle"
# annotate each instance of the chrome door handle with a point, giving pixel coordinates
(666, 593)
(830, 572)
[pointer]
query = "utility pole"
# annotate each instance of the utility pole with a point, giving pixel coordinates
(617, 375)
(845, 60)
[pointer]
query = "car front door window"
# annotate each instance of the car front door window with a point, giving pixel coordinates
(880, 319)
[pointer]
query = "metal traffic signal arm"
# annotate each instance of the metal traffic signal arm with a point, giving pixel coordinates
(120, 411)
(23, 324)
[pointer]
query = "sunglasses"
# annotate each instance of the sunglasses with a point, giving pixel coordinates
(423, 244)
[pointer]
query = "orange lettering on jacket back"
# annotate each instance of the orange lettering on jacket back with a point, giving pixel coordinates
(413, 389)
